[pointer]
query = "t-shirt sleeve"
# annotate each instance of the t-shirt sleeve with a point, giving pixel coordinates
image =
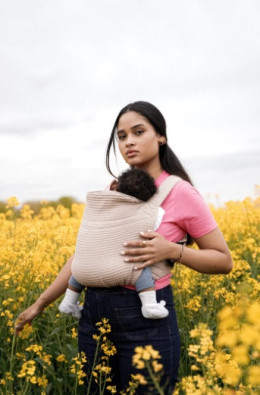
(192, 213)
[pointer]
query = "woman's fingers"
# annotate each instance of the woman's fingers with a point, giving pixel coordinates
(135, 251)
(144, 265)
(19, 324)
(153, 248)
(136, 259)
(136, 243)
(147, 236)
(27, 316)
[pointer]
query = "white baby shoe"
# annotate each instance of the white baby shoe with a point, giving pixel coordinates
(70, 308)
(155, 310)
(70, 305)
(150, 307)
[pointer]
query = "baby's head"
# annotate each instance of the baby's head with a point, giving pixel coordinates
(137, 183)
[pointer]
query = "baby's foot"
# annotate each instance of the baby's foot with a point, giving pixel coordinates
(155, 310)
(70, 308)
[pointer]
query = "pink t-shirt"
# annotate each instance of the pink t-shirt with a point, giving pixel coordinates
(185, 212)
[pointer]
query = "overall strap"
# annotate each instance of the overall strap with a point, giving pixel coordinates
(164, 189)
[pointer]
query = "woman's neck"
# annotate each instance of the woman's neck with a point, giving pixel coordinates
(154, 171)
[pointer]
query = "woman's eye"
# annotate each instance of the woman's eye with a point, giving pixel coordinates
(121, 137)
(138, 132)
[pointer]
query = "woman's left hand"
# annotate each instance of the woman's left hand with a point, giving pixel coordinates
(153, 248)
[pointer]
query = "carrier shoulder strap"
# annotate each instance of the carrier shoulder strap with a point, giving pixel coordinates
(164, 190)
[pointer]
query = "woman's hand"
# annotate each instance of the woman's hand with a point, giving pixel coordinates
(153, 248)
(53, 292)
(213, 256)
(28, 315)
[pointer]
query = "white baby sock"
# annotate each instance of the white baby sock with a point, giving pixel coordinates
(69, 304)
(150, 307)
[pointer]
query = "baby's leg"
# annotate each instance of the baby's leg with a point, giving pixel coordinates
(146, 290)
(69, 304)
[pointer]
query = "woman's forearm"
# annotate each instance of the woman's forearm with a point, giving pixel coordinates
(213, 257)
(206, 260)
(58, 287)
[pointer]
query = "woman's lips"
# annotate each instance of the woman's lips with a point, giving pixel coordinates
(130, 154)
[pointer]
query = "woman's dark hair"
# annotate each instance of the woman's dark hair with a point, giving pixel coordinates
(168, 159)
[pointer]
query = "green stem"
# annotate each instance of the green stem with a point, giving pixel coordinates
(104, 384)
(100, 383)
(93, 366)
(76, 386)
(26, 387)
(12, 354)
(160, 391)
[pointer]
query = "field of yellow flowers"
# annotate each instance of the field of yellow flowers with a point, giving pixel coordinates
(219, 316)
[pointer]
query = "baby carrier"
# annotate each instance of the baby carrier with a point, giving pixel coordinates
(111, 218)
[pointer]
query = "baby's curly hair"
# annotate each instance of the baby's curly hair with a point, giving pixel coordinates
(137, 183)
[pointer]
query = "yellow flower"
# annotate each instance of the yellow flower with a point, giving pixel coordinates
(61, 358)
(140, 378)
(253, 375)
(42, 381)
(240, 354)
(35, 348)
(154, 353)
(146, 355)
(227, 338)
(7, 301)
(26, 212)
(12, 202)
(108, 348)
(112, 389)
(33, 380)
(249, 335)
(8, 376)
(26, 332)
(28, 369)
(253, 313)
(74, 333)
(156, 366)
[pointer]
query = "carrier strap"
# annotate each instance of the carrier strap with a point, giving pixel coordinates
(164, 189)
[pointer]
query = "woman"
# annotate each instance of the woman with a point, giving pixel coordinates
(140, 131)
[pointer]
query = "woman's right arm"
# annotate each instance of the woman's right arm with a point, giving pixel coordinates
(53, 292)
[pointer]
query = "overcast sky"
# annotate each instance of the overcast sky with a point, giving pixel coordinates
(68, 67)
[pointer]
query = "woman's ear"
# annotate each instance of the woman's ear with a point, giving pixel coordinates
(162, 140)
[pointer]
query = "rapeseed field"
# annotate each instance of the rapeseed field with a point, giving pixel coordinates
(218, 315)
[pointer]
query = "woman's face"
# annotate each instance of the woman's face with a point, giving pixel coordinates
(138, 141)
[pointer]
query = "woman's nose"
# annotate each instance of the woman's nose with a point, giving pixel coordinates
(129, 141)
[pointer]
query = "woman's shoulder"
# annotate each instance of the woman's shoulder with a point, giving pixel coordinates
(181, 185)
(187, 207)
(186, 189)
(185, 195)
(182, 188)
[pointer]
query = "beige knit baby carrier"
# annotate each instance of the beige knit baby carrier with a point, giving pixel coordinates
(111, 218)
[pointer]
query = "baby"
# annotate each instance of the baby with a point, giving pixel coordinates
(139, 184)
